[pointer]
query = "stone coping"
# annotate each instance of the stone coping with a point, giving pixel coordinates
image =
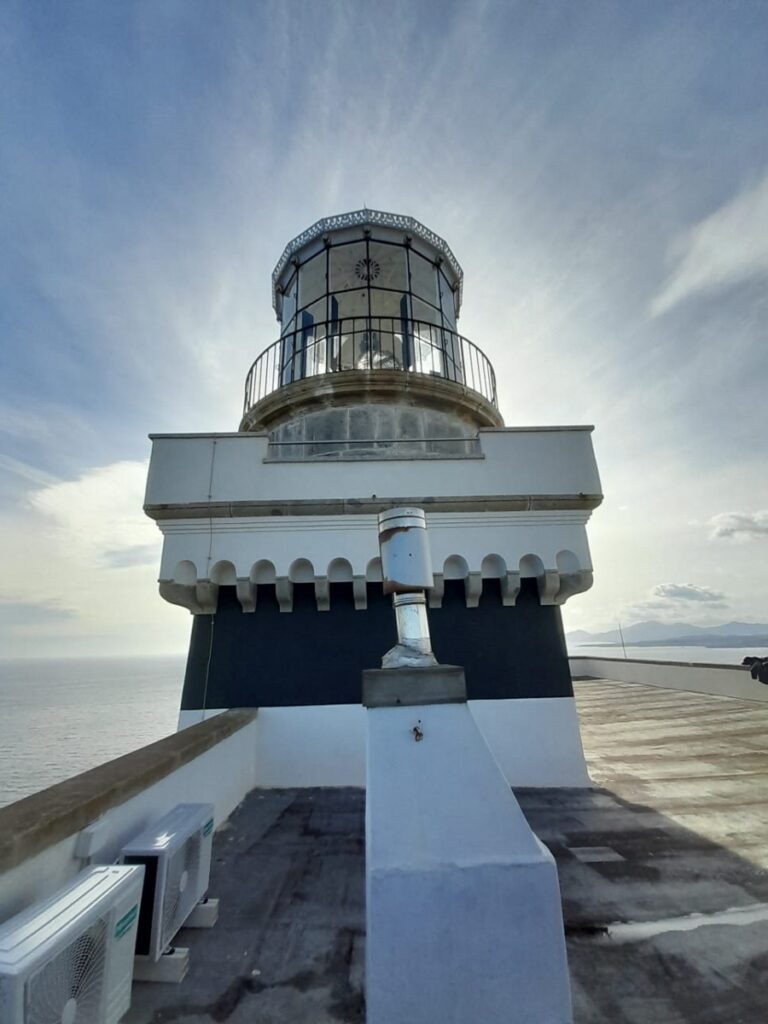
(31, 825)
(587, 428)
(656, 661)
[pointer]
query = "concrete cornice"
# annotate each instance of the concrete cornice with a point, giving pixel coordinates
(365, 523)
(371, 505)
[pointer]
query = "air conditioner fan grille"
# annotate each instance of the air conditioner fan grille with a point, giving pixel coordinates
(68, 988)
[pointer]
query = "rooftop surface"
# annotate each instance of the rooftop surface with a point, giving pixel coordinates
(662, 870)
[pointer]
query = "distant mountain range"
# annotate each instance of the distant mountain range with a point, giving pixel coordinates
(659, 634)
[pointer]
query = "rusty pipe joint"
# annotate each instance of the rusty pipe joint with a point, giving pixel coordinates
(406, 568)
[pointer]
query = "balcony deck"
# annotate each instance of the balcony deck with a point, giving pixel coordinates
(678, 826)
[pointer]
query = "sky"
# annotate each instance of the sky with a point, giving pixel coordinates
(600, 169)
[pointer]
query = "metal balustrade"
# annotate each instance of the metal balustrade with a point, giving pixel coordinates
(370, 344)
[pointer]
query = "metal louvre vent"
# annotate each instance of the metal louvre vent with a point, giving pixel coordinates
(367, 269)
(181, 893)
(68, 989)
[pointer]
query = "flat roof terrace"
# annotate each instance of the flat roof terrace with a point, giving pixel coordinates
(662, 871)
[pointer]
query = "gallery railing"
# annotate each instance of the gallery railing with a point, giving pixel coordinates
(370, 344)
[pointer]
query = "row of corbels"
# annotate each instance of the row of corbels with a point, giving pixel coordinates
(202, 597)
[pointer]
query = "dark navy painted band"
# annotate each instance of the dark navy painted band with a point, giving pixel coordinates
(276, 659)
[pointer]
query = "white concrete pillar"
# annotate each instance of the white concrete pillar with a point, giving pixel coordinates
(464, 922)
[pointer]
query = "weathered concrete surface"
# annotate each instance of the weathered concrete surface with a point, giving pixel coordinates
(679, 827)
(428, 684)
(355, 387)
(700, 760)
(288, 870)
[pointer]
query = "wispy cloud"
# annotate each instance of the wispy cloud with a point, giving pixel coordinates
(81, 561)
(139, 554)
(98, 517)
(740, 525)
(688, 592)
(25, 613)
(26, 472)
(727, 247)
(677, 602)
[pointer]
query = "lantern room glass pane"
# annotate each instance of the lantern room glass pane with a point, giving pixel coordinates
(446, 300)
(428, 355)
(387, 267)
(348, 267)
(386, 304)
(424, 279)
(352, 304)
(316, 348)
(315, 313)
(421, 311)
(312, 280)
(289, 303)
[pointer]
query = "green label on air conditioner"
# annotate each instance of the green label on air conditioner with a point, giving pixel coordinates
(208, 827)
(125, 922)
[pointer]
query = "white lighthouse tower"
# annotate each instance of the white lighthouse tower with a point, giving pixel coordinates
(370, 399)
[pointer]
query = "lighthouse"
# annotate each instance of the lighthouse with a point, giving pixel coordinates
(371, 399)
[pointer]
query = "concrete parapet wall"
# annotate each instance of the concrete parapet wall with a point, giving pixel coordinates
(214, 762)
(699, 677)
(535, 742)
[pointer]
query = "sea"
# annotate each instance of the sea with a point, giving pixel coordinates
(59, 718)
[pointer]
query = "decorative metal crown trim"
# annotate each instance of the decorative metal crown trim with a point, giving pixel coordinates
(322, 227)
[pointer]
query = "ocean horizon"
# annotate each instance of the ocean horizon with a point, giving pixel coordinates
(60, 717)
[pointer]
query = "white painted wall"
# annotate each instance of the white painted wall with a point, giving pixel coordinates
(463, 914)
(536, 742)
(198, 468)
(222, 775)
(722, 680)
(310, 746)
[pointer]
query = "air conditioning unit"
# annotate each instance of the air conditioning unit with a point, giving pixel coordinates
(176, 854)
(69, 959)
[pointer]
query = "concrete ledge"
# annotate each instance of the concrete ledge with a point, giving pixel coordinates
(697, 677)
(578, 658)
(407, 687)
(35, 823)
